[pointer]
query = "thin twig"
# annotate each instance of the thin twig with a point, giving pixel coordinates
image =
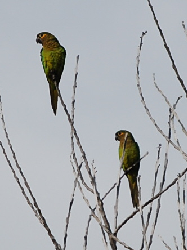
(106, 194)
(157, 165)
(76, 136)
(18, 181)
(142, 216)
(70, 208)
(173, 128)
(161, 185)
(175, 241)
(151, 204)
(150, 200)
(125, 173)
(79, 174)
(165, 244)
(39, 215)
(86, 233)
(184, 27)
(183, 213)
(145, 106)
(166, 153)
(181, 210)
(111, 236)
(167, 48)
(102, 213)
(118, 184)
(99, 211)
(171, 107)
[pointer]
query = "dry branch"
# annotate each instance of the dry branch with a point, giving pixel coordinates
(144, 104)
(151, 200)
(37, 211)
(167, 48)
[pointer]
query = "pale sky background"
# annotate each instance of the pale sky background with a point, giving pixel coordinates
(106, 35)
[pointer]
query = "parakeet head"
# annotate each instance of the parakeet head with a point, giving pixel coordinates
(44, 38)
(121, 134)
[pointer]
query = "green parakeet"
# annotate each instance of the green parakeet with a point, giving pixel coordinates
(53, 60)
(132, 155)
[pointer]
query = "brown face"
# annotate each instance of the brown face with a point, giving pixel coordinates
(40, 37)
(119, 134)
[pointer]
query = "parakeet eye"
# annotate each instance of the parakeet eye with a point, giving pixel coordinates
(42, 35)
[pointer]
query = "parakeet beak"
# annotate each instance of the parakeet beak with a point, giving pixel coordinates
(116, 137)
(38, 40)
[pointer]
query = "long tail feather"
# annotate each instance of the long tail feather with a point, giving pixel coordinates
(54, 97)
(134, 190)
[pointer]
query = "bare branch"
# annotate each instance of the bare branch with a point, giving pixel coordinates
(167, 48)
(171, 107)
(39, 214)
(76, 136)
(78, 167)
(118, 184)
(161, 188)
(144, 240)
(18, 182)
(181, 210)
(125, 173)
(99, 211)
(86, 233)
(151, 200)
(165, 244)
(107, 230)
(70, 206)
(157, 165)
(145, 106)
(184, 27)
(175, 241)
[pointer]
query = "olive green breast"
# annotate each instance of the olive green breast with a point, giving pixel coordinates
(53, 61)
(132, 154)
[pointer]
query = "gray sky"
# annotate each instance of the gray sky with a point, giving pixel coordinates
(106, 35)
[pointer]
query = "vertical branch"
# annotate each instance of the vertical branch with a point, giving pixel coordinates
(117, 199)
(69, 213)
(157, 165)
(175, 241)
(184, 27)
(181, 210)
(101, 211)
(70, 206)
(74, 89)
(79, 174)
(166, 153)
(86, 233)
(118, 184)
(142, 217)
(97, 207)
(183, 213)
(76, 137)
(174, 130)
(161, 184)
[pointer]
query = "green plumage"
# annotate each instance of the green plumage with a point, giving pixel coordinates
(132, 156)
(53, 60)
